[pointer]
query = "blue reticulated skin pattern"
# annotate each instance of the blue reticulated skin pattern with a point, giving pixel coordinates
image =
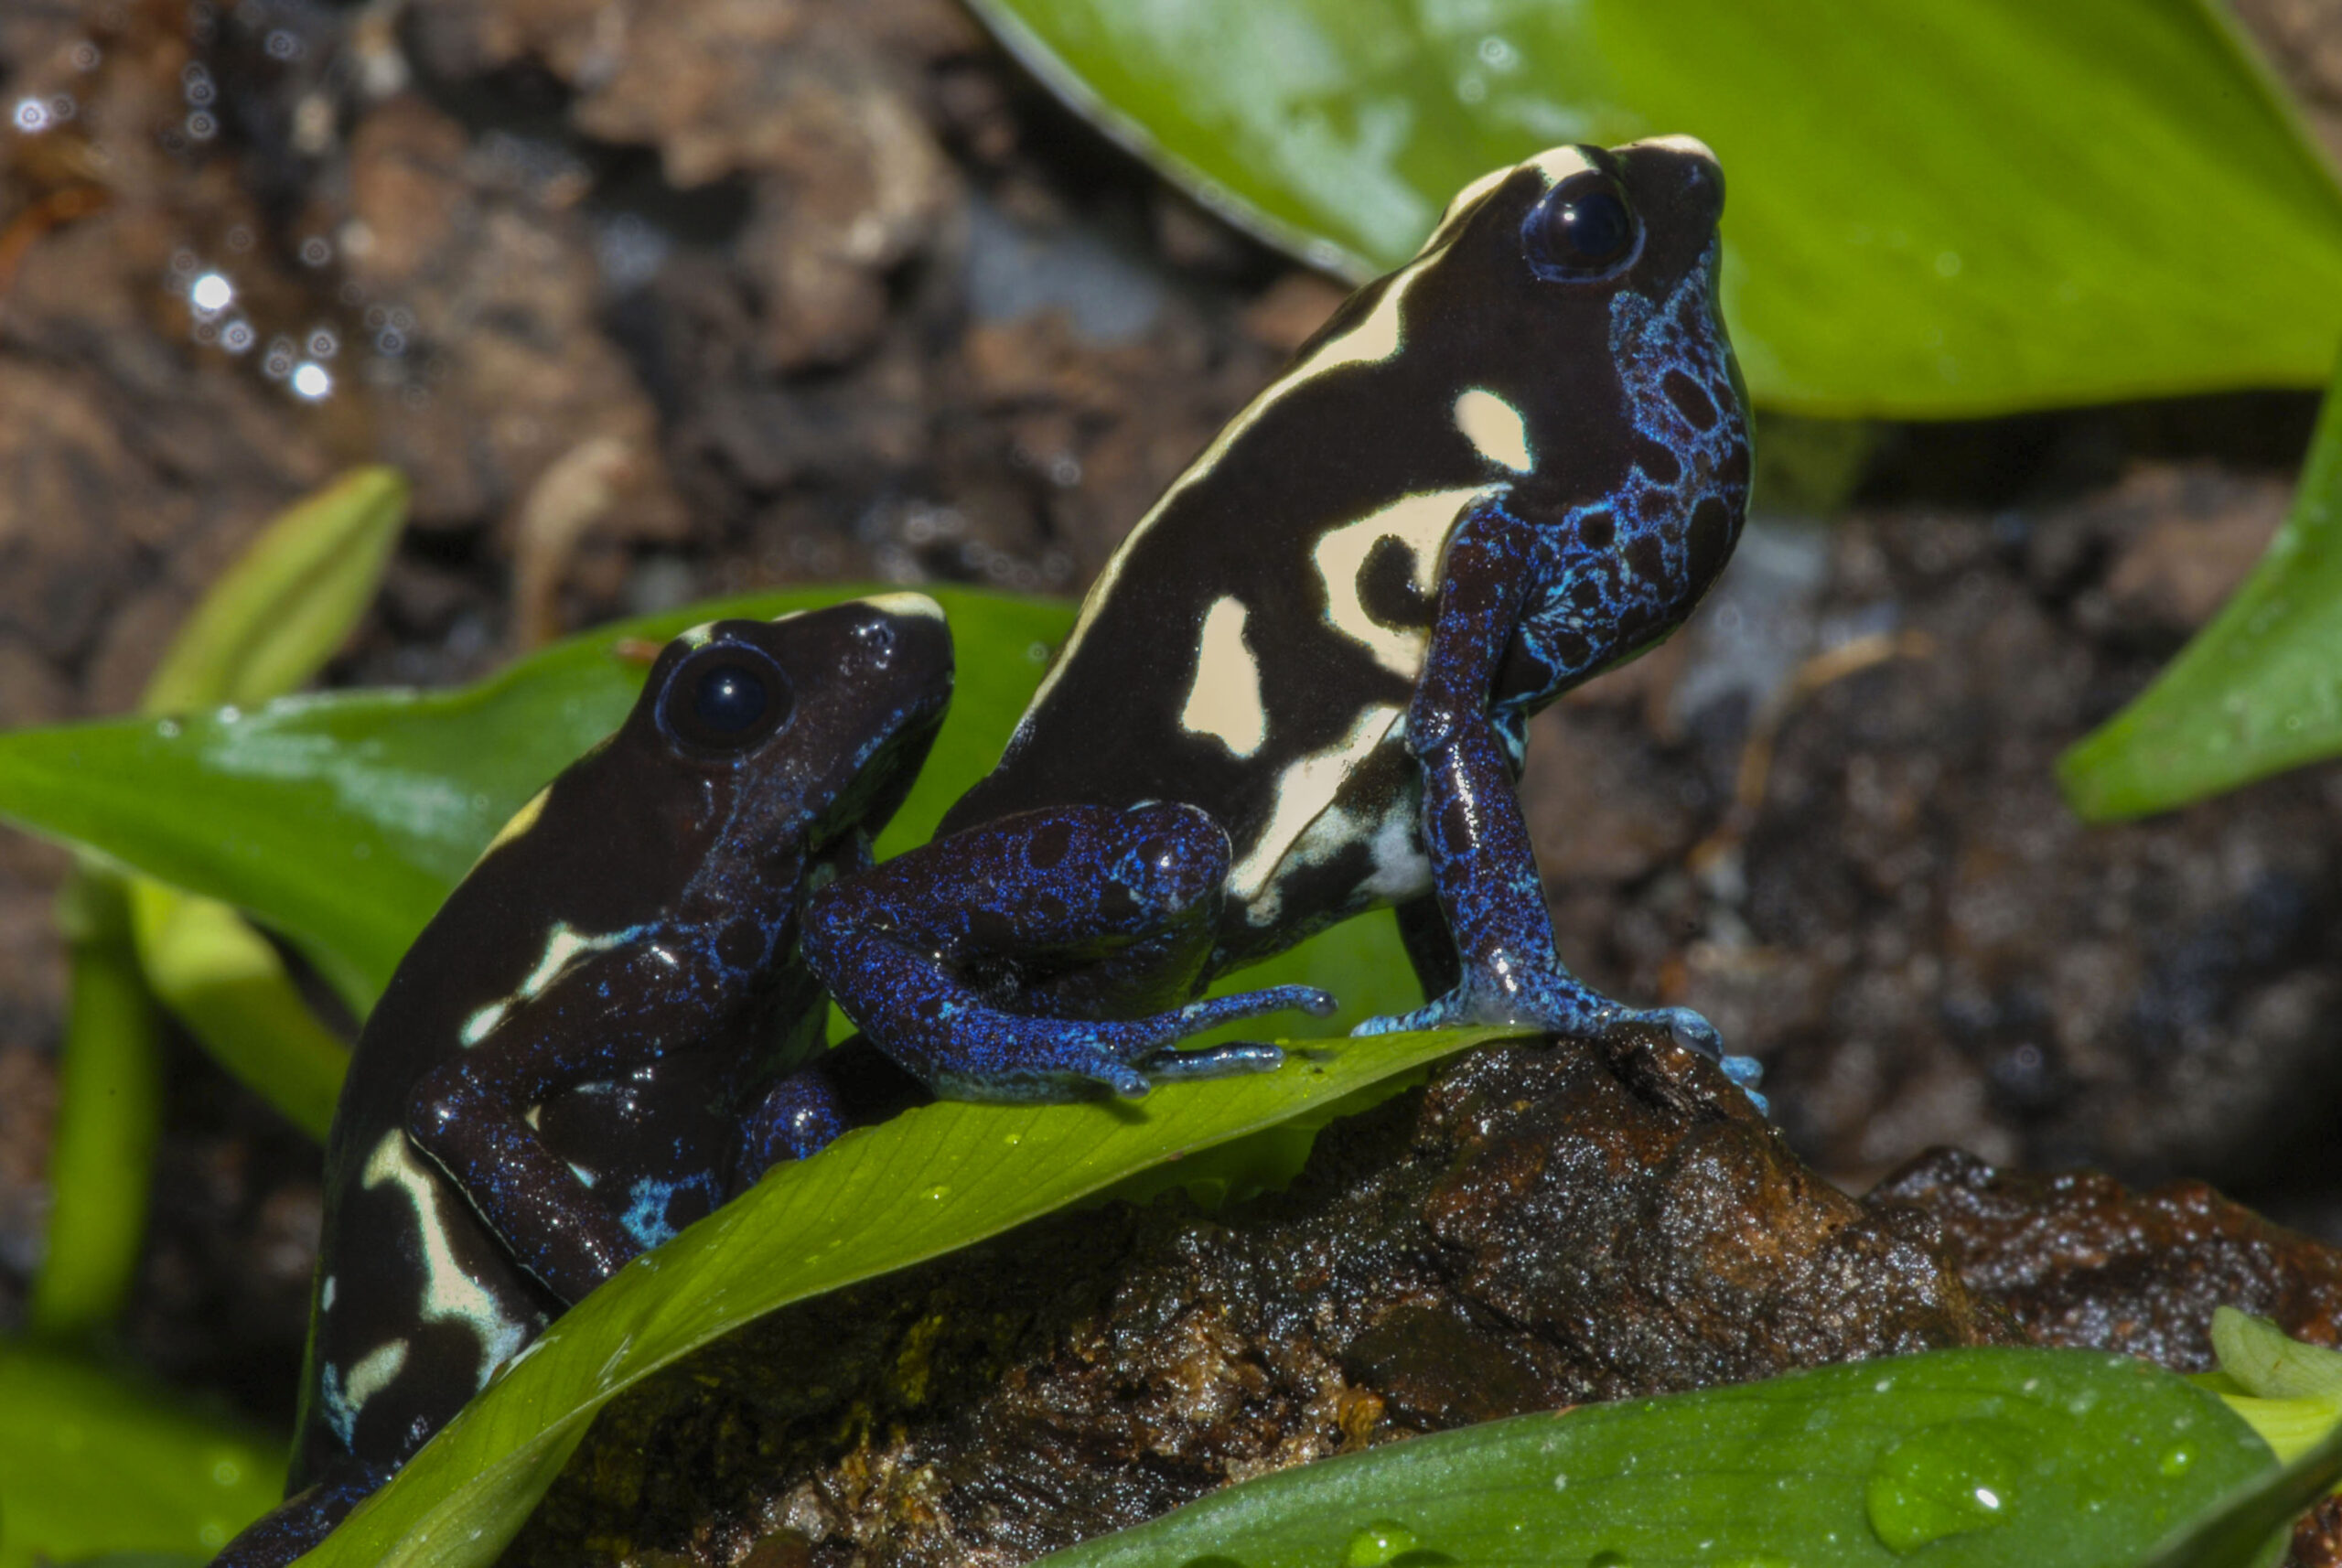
(597, 1038)
(1298, 691)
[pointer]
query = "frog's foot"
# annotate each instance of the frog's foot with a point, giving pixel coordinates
(991, 1055)
(1582, 1015)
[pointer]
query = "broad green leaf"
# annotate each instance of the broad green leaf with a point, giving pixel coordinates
(1937, 207)
(920, 1186)
(95, 1460)
(1958, 1458)
(108, 1113)
(2257, 691)
(288, 602)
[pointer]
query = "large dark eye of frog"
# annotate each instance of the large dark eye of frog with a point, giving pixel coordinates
(1581, 230)
(725, 697)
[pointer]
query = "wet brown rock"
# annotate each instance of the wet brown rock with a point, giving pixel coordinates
(2079, 1259)
(1541, 1225)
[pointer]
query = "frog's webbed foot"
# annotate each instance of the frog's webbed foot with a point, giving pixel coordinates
(1583, 1014)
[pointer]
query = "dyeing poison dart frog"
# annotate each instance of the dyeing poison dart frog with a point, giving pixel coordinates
(589, 1045)
(1299, 690)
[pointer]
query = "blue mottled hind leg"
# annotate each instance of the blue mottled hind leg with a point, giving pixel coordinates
(1036, 955)
(1500, 949)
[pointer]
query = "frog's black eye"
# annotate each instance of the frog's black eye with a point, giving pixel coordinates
(1581, 230)
(725, 697)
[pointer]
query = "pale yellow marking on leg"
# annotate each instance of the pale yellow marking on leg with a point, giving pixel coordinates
(1224, 700)
(374, 1372)
(1305, 788)
(449, 1295)
(1421, 522)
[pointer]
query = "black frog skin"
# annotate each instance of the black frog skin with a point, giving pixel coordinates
(1299, 690)
(591, 1043)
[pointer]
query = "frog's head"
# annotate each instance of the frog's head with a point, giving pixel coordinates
(799, 730)
(1563, 326)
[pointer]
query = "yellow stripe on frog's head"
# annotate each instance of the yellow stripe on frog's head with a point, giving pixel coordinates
(517, 824)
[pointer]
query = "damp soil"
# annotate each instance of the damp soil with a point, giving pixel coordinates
(660, 301)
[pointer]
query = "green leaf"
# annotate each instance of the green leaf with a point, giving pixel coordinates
(109, 1113)
(927, 1183)
(2268, 1362)
(1938, 207)
(343, 819)
(2028, 1458)
(289, 601)
(2257, 691)
(94, 1460)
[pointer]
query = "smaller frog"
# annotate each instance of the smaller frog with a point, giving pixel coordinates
(591, 1043)
(1299, 690)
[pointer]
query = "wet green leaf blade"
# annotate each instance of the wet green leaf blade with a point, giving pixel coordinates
(1938, 207)
(920, 1186)
(95, 1460)
(2257, 691)
(1857, 1466)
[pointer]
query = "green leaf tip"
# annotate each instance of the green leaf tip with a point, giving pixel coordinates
(2257, 691)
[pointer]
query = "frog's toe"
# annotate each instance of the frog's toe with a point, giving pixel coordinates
(1214, 1011)
(1683, 1026)
(1431, 1016)
(1212, 1061)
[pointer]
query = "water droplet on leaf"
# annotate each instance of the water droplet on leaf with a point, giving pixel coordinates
(1377, 1544)
(1945, 1481)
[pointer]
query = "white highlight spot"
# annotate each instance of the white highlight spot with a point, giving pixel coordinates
(325, 1295)
(1495, 428)
(1421, 523)
(1224, 700)
(311, 382)
(210, 294)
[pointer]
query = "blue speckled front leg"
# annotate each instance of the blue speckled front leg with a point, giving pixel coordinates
(1484, 871)
(616, 1011)
(1006, 962)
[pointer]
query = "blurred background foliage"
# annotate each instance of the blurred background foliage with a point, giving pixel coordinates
(1937, 210)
